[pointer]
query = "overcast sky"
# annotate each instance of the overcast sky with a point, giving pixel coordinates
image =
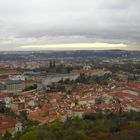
(43, 24)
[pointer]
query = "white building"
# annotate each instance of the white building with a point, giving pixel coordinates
(17, 77)
(133, 92)
(78, 113)
(86, 100)
(57, 77)
(135, 106)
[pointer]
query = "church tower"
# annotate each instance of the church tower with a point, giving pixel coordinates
(54, 64)
(50, 65)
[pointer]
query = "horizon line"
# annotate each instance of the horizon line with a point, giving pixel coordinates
(70, 50)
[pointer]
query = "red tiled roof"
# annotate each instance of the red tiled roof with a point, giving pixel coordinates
(135, 104)
(38, 117)
(4, 65)
(126, 95)
(130, 84)
(136, 89)
(3, 79)
(89, 98)
(6, 122)
(8, 72)
(3, 95)
(113, 106)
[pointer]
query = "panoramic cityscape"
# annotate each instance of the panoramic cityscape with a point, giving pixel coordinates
(69, 70)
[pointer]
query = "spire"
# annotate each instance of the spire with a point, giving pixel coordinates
(53, 63)
(50, 64)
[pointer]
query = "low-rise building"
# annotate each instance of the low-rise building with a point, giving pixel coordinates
(17, 77)
(96, 72)
(86, 100)
(9, 124)
(17, 106)
(14, 86)
(135, 106)
(57, 77)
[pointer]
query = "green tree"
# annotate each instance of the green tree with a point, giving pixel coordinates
(7, 136)
(31, 135)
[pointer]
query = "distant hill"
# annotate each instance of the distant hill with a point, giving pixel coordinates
(60, 54)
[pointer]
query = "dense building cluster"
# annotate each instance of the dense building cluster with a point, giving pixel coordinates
(61, 91)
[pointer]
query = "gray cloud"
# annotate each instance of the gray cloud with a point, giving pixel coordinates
(27, 22)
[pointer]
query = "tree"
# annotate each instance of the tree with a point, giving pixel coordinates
(30, 87)
(1, 108)
(7, 135)
(31, 135)
(57, 118)
(24, 114)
